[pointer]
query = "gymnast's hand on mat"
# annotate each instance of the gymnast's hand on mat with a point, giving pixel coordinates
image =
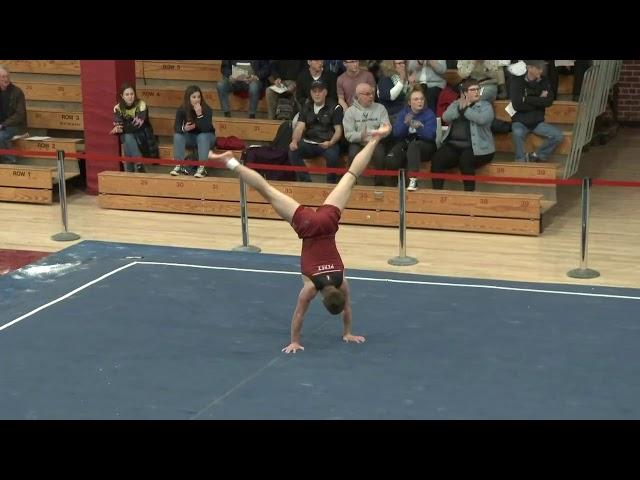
(292, 347)
(353, 338)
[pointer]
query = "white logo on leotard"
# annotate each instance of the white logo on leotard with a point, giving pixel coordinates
(322, 268)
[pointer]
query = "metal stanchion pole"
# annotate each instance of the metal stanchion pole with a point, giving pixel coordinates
(245, 247)
(583, 271)
(402, 259)
(62, 189)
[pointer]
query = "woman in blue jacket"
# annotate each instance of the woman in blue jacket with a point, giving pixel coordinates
(414, 132)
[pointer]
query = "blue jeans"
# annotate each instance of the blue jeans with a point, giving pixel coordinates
(224, 87)
(331, 155)
(552, 136)
(6, 134)
(202, 141)
(131, 149)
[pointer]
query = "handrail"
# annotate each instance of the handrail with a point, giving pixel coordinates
(597, 83)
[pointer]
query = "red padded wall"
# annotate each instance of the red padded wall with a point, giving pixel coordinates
(100, 81)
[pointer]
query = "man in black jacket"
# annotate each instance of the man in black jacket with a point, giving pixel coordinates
(318, 131)
(530, 95)
(13, 114)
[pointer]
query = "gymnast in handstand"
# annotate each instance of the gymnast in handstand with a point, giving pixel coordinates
(321, 265)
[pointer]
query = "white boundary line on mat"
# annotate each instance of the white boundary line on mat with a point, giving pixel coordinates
(284, 272)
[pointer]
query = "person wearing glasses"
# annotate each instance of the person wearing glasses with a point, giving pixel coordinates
(347, 82)
(414, 134)
(361, 118)
(468, 143)
(393, 86)
(430, 75)
(489, 75)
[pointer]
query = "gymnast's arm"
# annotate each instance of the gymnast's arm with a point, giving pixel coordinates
(307, 293)
(347, 336)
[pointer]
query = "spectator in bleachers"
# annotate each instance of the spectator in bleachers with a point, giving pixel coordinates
(414, 132)
(316, 71)
(13, 113)
(578, 69)
(393, 86)
(488, 73)
(361, 118)
(335, 66)
(250, 76)
(429, 74)
(468, 143)
(131, 123)
(193, 128)
(530, 95)
(374, 67)
(317, 132)
(284, 73)
(347, 82)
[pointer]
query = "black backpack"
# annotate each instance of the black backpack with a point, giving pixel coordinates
(500, 126)
(271, 156)
(285, 108)
(283, 136)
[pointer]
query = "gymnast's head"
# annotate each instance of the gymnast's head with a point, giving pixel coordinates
(333, 299)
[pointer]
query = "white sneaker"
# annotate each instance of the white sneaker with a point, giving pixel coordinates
(202, 172)
(413, 184)
(177, 170)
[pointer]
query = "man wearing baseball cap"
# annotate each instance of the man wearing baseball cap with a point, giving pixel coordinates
(317, 132)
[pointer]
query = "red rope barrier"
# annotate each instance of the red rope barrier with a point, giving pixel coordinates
(292, 168)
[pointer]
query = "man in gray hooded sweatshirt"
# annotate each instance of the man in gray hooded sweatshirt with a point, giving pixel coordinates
(362, 117)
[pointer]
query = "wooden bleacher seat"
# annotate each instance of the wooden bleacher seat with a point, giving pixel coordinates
(192, 70)
(28, 183)
(446, 210)
(50, 117)
(50, 91)
(565, 84)
(33, 166)
(543, 171)
(248, 129)
(563, 112)
(171, 97)
(49, 67)
(69, 145)
(207, 70)
(505, 144)
(154, 96)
